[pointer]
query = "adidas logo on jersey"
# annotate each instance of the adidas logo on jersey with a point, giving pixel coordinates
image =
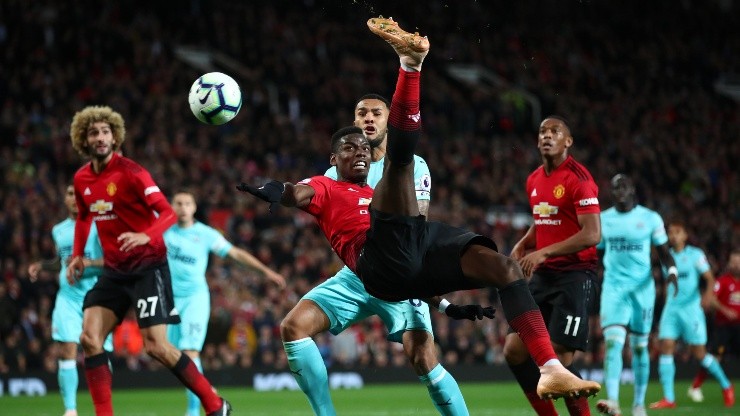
(534, 192)
(87, 191)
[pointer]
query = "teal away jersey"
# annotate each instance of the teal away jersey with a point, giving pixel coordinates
(63, 235)
(188, 250)
(626, 239)
(691, 264)
(422, 178)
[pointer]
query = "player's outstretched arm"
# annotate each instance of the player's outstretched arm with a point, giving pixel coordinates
(275, 192)
(247, 259)
(471, 312)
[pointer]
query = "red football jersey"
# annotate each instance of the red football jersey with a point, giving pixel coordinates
(122, 198)
(727, 290)
(556, 202)
(342, 212)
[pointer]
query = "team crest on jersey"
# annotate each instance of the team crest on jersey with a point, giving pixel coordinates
(559, 191)
(111, 189)
(364, 201)
(425, 182)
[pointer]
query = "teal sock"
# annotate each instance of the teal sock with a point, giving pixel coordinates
(445, 392)
(614, 337)
(667, 373)
(640, 367)
(68, 382)
(713, 367)
(193, 400)
(309, 371)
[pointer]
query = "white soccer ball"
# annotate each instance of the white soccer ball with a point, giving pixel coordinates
(215, 98)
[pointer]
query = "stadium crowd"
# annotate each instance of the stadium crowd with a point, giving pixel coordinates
(637, 88)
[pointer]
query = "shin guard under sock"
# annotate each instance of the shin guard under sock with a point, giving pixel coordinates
(99, 381)
(525, 318)
(404, 120)
(186, 371)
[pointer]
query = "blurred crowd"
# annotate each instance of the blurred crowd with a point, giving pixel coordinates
(635, 79)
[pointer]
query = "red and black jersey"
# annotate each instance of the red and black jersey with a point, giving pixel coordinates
(122, 198)
(727, 290)
(342, 212)
(556, 201)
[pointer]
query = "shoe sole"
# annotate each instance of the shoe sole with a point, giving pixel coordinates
(658, 407)
(555, 389)
(389, 30)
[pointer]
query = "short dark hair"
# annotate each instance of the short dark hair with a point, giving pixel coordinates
(621, 177)
(373, 96)
(344, 131)
(562, 120)
(186, 191)
(678, 222)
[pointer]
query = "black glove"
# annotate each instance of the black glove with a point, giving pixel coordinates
(471, 312)
(270, 192)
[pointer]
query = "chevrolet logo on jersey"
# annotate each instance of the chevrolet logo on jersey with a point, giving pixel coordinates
(544, 210)
(101, 207)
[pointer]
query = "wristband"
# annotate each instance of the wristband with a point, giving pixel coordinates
(673, 270)
(443, 304)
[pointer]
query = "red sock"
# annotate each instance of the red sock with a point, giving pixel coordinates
(543, 407)
(531, 329)
(196, 382)
(577, 406)
(404, 111)
(99, 381)
(701, 375)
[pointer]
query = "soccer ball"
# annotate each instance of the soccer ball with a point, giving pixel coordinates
(215, 98)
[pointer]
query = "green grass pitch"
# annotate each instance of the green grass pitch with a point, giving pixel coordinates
(483, 399)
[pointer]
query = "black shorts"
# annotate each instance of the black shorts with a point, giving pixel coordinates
(725, 340)
(150, 291)
(566, 299)
(409, 257)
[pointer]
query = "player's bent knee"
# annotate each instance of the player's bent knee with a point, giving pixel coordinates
(90, 341)
(293, 329)
(155, 349)
(155, 345)
(639, 343)
(505, 271)
(615, 336)
(288, 329)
